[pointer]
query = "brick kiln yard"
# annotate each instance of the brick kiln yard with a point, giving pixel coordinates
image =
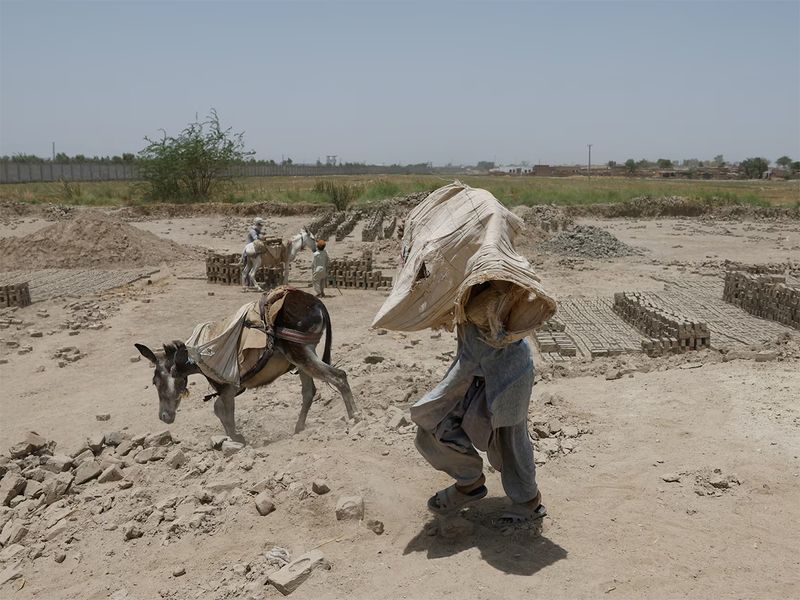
(668, 476)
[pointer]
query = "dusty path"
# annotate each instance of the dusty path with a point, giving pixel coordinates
(615, 528)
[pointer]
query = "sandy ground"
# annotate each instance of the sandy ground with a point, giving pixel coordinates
(615, 528)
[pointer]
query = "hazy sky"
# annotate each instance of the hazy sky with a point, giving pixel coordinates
(407, 82)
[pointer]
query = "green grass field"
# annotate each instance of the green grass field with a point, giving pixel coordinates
(510, 190)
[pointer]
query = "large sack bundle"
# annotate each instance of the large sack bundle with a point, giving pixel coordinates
(226, 351)
(457, 238)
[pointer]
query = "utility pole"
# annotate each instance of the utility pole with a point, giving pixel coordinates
(589, 172)
(54, 152)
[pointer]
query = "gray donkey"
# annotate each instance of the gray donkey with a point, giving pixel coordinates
(295, 338)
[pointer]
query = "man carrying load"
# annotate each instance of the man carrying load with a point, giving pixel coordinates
(460, 271)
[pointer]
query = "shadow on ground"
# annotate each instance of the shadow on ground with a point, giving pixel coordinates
(518, 550)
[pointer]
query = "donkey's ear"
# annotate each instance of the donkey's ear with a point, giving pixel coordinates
(147, 353)
(181, 358)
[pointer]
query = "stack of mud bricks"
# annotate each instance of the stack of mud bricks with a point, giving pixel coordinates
(356, 273)
(373, 230)
(766, 296)
(552, 339)
(224, 268)
(227, 270)
(15, 295)
(347, 226)
(327, 224)
(667, 331)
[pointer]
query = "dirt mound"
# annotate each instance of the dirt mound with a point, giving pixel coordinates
(89, 241)
(547, 217)
(679, 206)
(589, 242)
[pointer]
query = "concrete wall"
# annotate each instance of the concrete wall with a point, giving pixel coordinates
(11, 172)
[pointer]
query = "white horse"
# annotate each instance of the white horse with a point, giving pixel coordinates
(251, 257)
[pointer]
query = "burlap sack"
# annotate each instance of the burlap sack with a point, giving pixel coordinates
(457, 238)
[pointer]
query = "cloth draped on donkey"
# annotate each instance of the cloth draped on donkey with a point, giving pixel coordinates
(457, 238)
(230, 351)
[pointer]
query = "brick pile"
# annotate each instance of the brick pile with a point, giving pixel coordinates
(389, 229)
(667, 330)
(17, 294)
(347, 226)
(766, 296)
(326, 225)
(357, 273)
(553, 341)
(226, 269)
(373, 229)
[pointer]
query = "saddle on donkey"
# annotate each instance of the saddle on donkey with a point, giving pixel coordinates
(232, 351)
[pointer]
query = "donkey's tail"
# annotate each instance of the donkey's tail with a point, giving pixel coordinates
(326, 355)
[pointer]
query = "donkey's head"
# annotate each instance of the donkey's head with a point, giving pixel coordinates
(170, 376)
(309, 239)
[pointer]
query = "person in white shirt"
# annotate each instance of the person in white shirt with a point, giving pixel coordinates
(319, 269)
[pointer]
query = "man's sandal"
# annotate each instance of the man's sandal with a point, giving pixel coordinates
(519, 514)
(451, 498)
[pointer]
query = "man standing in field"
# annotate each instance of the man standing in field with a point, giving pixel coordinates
(319, 269)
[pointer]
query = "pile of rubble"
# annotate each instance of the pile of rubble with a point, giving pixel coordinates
(707, 482)
(47, 497)
(87, 314)
(547, 217)
(553, 430)
(589, 242)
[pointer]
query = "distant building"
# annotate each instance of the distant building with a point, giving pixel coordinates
(510, 170)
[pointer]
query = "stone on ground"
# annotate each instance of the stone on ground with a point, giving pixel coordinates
(292, 576)
(350, 508)
(264, 504)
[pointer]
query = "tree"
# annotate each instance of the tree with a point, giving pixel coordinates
(631, 166)
(719, 160)
(784, 161)
(194, 164)
(612, 163)
(664, 163)
(754, 168)
(485, 165)
(796, 166)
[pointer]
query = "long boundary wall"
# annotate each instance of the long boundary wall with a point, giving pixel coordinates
(12, 172)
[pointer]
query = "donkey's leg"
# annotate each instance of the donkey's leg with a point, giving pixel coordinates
(307, 361)
(254, 271)
(224, 407)
(309, 389)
